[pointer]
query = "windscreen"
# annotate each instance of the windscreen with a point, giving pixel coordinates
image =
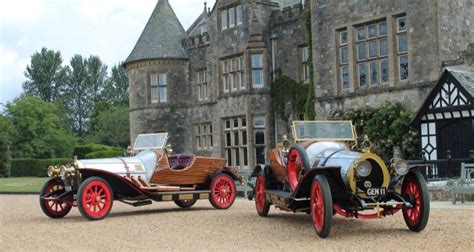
(150, 141)
(323, 131)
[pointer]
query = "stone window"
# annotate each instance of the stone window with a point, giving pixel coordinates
(402, 48)
(372, 54)
(202, 88)
(158, 88)
(231, 17)
(259, 139)
(304, 62)
(236, 142)
(233, 74)
(344, 59)
(257, 71)
(203, 135)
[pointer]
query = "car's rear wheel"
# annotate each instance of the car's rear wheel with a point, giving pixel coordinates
(51, 206)
(321, 206)
(222, 191)
(298, 163)
(261, 203)
(185, 203)
(95, 198)
(414, 188)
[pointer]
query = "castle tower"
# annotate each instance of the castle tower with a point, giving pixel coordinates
(157, 72)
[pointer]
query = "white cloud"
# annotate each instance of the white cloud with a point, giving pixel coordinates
(107, 28)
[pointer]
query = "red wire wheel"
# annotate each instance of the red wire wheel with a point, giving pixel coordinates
(297, 163)
(51, 206)
(222, 191)
(185, 203)
(321, 206)
(261, 203)
(95, 198)
(415, 191)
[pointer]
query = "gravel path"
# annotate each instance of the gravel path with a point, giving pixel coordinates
(164, 227)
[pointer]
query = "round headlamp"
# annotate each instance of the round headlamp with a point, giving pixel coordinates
(50, 171)
(401, 167)
(363, 168)
(62, 172)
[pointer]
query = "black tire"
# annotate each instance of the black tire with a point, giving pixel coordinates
(322, 220)
(53, 208)
(261, 203)
(416, 218)
(185, 203)
(293, 177)
(222, 199)
(82, 192)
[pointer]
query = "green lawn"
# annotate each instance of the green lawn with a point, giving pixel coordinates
(21, 185)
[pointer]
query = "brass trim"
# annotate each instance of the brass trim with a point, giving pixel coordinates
(186, 197)
(351, 178)
(204, 196)
(167, 197)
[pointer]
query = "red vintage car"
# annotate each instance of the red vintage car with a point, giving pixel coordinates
(153, 174)
(321, 175)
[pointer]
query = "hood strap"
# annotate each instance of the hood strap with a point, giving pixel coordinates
(125, 165)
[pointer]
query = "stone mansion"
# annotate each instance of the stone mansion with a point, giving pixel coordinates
(209, 85)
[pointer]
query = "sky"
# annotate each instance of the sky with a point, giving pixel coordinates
(106, 28)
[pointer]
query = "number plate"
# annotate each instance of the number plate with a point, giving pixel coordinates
(373, 192)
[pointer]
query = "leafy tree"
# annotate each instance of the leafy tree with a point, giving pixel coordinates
(87, 79)
(288, 96)
(6, 132)
(38, 132)
(116, 88)
(386, 126)
(113, 127)
(310, 112)
(46, 75)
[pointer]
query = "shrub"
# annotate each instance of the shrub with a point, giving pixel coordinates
(27, 167)
(106, 154)
(386, 126)
(82, 150)
(5, 146)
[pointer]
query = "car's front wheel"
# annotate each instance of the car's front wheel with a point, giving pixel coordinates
(321, 205)
(414, 189)
(51, 206)
(95, 198)
(223, 191)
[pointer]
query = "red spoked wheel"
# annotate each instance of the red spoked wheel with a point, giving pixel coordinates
(185, 203)
(414, 189)
(297, 164)
(321, 206)
(261, 203)
(51, 206)
(222, 191)
(95, 198)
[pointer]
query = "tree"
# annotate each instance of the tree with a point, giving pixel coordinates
(116, 88)
(113, 127)
(86, 82)
(6, 131)
(46, 75)
(38, 132)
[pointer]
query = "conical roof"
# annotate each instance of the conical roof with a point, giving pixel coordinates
(161, 38)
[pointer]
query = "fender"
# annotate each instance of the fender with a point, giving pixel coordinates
(118, 183)
(332, 172)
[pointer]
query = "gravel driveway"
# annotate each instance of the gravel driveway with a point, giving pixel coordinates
(163, 226)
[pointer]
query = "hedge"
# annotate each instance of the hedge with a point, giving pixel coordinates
(81, 151)
(105, 154)
(27, 167)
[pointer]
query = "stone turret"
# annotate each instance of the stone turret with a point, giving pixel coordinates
(157, 70)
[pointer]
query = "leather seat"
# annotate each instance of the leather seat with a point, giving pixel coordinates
(180, 161)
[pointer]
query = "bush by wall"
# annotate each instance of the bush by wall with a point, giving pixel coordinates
(81, 151)
(106, 154)
(386, 126)
(27, 167)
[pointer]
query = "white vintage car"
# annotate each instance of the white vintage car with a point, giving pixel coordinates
(153, 174)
